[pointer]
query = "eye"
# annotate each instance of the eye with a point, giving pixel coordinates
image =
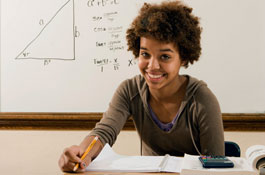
(165, 57)
(144, 54)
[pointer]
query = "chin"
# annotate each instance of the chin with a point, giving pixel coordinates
(154, 85)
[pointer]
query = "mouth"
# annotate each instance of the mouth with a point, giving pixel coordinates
(155, 77)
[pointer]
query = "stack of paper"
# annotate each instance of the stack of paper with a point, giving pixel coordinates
(110, 161)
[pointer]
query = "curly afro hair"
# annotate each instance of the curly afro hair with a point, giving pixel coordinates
(169, 22)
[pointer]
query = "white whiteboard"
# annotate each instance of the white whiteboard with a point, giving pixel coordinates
(70, 55)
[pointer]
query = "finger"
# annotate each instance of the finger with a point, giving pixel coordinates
(85, 162)
(83, 165)
(69, 166)
(72, 154)
(66, 165)
(61, 162)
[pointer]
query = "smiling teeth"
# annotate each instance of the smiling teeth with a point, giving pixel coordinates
(154, 76)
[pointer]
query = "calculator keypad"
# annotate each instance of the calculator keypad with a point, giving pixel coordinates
(216, 162)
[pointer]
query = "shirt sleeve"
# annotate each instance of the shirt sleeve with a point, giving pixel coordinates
(209, 122)
(115, 117)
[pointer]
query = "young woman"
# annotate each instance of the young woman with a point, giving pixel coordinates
(173, 114)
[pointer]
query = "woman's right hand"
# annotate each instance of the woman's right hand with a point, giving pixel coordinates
(71, 156)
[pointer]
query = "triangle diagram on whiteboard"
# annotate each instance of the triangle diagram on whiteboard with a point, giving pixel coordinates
(56, 39)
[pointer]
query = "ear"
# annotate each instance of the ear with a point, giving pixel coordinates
(184, 63)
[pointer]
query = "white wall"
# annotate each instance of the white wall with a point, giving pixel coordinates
(232, 61)
(29, 152)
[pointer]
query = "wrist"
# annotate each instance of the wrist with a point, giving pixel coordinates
(96, 148)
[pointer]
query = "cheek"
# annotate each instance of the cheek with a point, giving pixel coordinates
(141, 63)
(175, 67)
(171, 68)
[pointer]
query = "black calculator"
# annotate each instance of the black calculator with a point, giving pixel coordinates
(216, 162)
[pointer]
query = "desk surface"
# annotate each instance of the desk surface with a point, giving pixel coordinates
(14, 171)
(111, 173)
(10, 172)
(37, 152)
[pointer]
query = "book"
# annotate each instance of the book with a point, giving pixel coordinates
(255, 159)
(256, 156)
(109, 161)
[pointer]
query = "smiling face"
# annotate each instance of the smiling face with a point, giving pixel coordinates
(159, 63)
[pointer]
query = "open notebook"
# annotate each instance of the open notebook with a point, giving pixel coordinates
(110, 161)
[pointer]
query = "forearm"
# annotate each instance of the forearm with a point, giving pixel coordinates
(96, 148)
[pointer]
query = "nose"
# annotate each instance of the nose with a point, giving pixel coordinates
(153, 63)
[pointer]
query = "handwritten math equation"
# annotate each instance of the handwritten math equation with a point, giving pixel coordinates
(92, 3)
(112, 62)
(104, 28)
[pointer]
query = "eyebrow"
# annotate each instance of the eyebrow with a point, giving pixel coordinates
(166, 50)
(161, 50)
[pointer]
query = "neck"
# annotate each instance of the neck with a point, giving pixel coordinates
(169, 93)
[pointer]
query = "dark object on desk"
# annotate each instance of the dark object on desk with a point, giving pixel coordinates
(216, 162)
(232, 149)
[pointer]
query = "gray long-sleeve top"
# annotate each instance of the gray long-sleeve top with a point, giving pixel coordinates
(199, 107)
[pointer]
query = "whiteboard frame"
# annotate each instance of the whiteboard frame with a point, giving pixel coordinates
(87, 121)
